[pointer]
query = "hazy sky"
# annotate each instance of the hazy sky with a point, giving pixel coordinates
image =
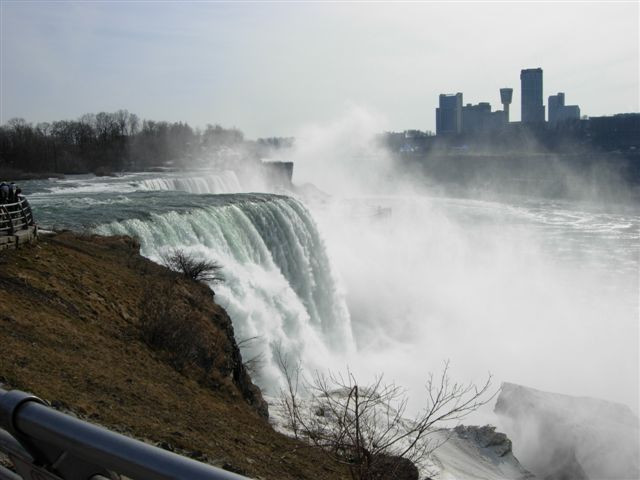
(269, 68)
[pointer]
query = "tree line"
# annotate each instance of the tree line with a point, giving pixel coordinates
(110, 142)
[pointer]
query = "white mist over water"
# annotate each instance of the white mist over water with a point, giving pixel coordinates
(490, 290)
(341, 157)
(536, 292)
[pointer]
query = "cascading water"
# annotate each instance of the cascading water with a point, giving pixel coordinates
(278, 288)
(225, 182)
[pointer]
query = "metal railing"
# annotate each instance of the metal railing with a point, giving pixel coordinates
(45, 444)
(15, 216)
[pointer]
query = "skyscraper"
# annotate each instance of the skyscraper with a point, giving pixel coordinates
(449, 114)
(531, 95)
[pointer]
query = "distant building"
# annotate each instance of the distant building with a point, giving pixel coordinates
(449, 114)
(569, 112)
(476, 118)
(556, 102)
(559, 112)
(499, 119)
(531, 96)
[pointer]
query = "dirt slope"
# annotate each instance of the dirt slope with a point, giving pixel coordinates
(70, 310)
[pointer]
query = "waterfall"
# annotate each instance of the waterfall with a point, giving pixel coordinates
(225, 182)
(279, 286)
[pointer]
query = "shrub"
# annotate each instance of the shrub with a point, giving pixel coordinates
(193, 268)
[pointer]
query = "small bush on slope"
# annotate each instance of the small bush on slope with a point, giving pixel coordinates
(199, 270)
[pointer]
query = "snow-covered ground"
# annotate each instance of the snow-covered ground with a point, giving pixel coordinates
(478, 453)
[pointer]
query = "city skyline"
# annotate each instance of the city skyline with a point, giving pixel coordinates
(454, 116)
(269, 69)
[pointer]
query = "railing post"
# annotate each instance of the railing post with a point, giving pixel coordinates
(24, 216)
(8, 217)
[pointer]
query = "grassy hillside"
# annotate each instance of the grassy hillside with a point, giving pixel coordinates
(71, 309)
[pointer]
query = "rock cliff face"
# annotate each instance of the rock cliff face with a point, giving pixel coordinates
(559, 436)
(250, 392)
(71, 310)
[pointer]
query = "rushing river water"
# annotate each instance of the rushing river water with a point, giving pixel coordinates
(538, 292)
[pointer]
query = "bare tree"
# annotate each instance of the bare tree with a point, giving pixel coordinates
(366, 427)
(289, 397)
(133, 124)
(199, 270)
(253, 365)
(105, 142)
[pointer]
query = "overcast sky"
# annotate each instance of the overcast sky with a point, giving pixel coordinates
(269, 68)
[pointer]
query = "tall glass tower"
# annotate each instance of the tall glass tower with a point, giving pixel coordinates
(531, 95)
(449, 114)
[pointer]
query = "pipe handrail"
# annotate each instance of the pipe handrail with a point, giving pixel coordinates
(60, 443)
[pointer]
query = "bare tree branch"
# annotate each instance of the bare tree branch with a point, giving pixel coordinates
(359, 425)
(192, 268)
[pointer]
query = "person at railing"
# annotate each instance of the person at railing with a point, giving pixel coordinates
(10, 193)
(4, 192)
(13, 197)
(15, 211)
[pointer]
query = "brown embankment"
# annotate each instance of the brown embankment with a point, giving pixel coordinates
(70, 332)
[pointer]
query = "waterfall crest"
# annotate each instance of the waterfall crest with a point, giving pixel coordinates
(225, 182)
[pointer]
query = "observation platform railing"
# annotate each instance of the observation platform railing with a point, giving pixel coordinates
(45, 444)
(15, 216)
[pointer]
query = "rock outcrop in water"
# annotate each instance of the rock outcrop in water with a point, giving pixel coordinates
(560, 436)
(485, 437)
